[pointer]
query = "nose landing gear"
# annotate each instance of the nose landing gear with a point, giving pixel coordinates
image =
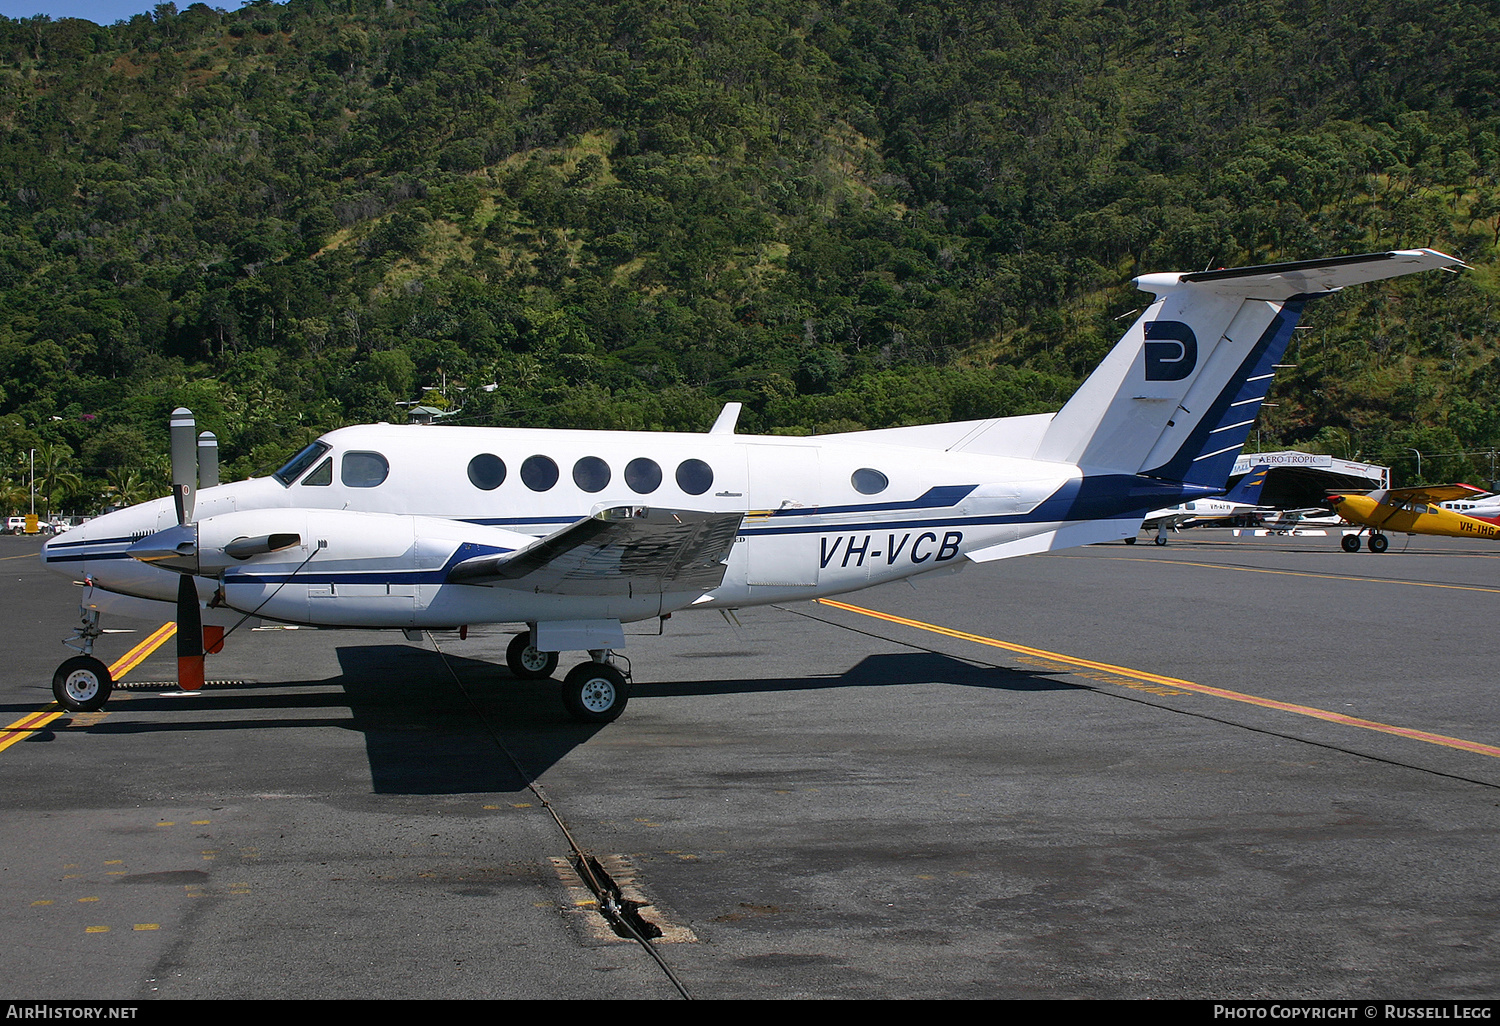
(82, 683)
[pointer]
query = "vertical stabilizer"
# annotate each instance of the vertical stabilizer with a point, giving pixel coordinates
(1248, 490)
(1177, 396)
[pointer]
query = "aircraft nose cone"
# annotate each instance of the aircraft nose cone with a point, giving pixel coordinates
(176, 548)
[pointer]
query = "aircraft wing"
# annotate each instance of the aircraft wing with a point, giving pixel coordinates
(1431, 493)
(626, 550)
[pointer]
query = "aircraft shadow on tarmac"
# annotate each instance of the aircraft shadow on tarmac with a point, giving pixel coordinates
(422, 735)
(885, 670)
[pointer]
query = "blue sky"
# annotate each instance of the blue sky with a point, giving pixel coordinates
(103, 12)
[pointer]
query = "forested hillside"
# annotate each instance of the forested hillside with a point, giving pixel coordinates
(621, 214)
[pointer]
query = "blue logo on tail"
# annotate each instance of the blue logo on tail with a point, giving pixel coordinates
(1171, 350)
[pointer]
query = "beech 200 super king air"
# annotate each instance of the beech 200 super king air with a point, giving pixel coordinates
(575, 533)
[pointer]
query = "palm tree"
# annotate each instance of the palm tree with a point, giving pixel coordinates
(127, 486)
(14, 496)
(54, 473)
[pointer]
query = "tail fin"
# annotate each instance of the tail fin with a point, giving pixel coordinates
(1176, 397)
(1249, 488)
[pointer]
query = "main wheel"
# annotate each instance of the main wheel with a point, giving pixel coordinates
(1379, 543)
(1129, 541)
(1350, 543)
(526, 662)
(595, 692)
(81, 684)
(1160, 540)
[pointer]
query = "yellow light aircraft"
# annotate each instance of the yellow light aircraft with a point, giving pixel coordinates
(1411, 511)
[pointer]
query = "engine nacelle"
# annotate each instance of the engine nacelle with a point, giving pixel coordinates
(348, 569)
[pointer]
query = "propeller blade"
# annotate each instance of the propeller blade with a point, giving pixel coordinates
(208, 460)
(189, 635)
(184, 462)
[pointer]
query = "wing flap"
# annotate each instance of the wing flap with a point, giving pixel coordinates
(626, 550)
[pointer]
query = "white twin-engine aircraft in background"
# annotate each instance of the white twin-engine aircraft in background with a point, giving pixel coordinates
(574, 533)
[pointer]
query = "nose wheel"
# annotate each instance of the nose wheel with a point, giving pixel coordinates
(82, 684)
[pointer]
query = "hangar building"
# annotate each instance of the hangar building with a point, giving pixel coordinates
(1298, 480)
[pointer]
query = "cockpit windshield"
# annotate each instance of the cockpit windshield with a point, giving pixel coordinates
(299, 463)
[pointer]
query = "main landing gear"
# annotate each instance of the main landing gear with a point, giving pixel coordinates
(526, 661)
(1377, 542)
(592, 692)
(595, 691)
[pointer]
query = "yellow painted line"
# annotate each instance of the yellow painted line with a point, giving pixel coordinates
(28, 725)
(1186, 685)
(130, 660)
(1308, 573)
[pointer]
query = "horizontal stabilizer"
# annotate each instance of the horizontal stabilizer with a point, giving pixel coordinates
(626, 550)
(1306, 277)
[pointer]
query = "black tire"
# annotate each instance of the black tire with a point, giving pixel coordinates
(1129, 541)
(1159, 540)
(1379, 543)
(526, 662)
(82, 684)
(1350, 543)
(595, 692)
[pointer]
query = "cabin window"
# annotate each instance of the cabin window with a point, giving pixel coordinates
(869, 482)
(643, 476)
(591, 474)
(364, 469)
(300, 462)
(694, 476)
(539, 473)
(322, 476)
(486, 471)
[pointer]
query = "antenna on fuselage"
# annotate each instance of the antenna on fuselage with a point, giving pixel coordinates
(728, 417)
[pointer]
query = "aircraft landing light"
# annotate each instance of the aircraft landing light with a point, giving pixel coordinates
(1186, 685)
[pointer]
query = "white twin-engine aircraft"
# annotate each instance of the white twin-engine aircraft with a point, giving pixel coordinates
(574, 533)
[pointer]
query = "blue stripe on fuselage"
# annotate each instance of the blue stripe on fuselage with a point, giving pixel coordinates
(433, 575)
(1098, 497)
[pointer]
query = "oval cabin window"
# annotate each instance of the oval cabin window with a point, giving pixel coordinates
(539, 473)
(363, 469)
(694, 476)
(591, 474)
(643, 476)
(869, 482)
(487, 471)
